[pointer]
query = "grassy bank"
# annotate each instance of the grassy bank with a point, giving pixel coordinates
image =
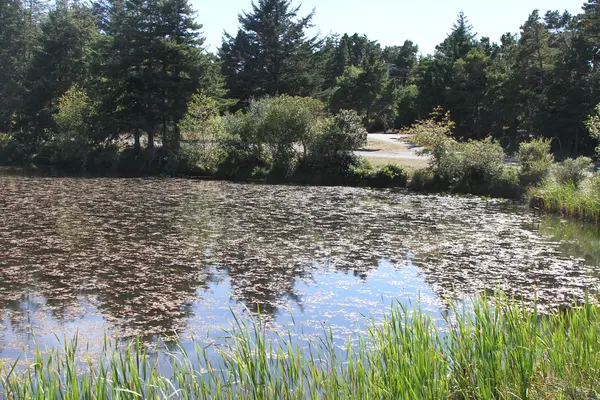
(499, 350)
(569, 200)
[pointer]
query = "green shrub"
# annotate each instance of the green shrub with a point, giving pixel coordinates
(434, 135)
(72, 141)
(423, 180)
(507, 185)
(346, 169)
(476, 167)
(241, 150)
(339, 134)
(390, 175)
(573, 171)
(202, 122)
(473, 166)
(103, 160)
(593, 125)
(535, 161)
(274, 132)
(283, 124)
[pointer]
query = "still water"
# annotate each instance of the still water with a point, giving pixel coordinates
(152, 257)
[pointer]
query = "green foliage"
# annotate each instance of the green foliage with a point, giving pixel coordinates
(573, 171)
(72, 140)
(202, 121)
(434, 135)
(154, 65)
(593, 126)
(569, 200)
(475, 166)
(338, 135)
(367, 90)
(67, 37)
(535, 161)
(388, 176)
(496, 348)
(423, 180)
(270, 54)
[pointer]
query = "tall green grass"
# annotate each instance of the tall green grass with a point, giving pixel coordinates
(498, 349)
(570, 200)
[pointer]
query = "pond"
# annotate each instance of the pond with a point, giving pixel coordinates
(154, 257)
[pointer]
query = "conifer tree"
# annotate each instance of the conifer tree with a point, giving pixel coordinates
(271, 53)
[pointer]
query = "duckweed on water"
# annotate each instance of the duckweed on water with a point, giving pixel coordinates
(496, 349)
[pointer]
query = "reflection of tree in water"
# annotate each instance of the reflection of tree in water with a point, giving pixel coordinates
(139, 250)
(90, 238)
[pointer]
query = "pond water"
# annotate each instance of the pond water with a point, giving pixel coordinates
(152, 257)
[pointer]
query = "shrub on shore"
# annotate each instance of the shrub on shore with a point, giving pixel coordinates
(476, 166)
(535, 161)
(573, 171)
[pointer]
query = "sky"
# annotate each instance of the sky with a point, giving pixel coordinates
(390, 22)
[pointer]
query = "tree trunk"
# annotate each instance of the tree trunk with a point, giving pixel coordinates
(150, 140)
(136, 136)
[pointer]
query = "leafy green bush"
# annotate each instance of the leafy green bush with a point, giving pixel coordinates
(423, 180)
(242, 152)
(593, 125)
(476, 166)
(470, 165)
(72, 140)
(338, 135)
(273, 133)
(572, 171)
(390, 175)
(535, 161)
(434, 135)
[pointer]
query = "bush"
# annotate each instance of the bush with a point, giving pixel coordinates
(593, 125)
(434, 135)
(573, 171)
(241, 152)
(423, 180)
(339, 134)
(274, 133)
(72, 141)
(473, 166)
(282, 124)
(535, 161)
(390, 175)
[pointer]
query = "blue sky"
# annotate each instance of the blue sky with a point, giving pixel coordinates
(390, 21)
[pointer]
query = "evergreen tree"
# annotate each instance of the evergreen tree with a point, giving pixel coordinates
(368, 91)
(270, 54)
(12, 53)
(61, 62)
(590, 25)
(460, 41)
(401, 60)
(156, 64)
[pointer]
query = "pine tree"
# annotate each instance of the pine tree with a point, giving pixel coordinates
(590, 24)
(270, 54)
(156, 64)
(12, 53)
(460, 41)
(61, 62)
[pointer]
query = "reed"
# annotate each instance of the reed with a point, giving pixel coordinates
(495, 349)
(569, 200)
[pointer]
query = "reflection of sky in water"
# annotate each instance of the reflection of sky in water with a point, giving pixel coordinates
(337, 300)
(154, 257)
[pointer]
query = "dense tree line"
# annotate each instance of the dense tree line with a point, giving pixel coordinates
(77, 74)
